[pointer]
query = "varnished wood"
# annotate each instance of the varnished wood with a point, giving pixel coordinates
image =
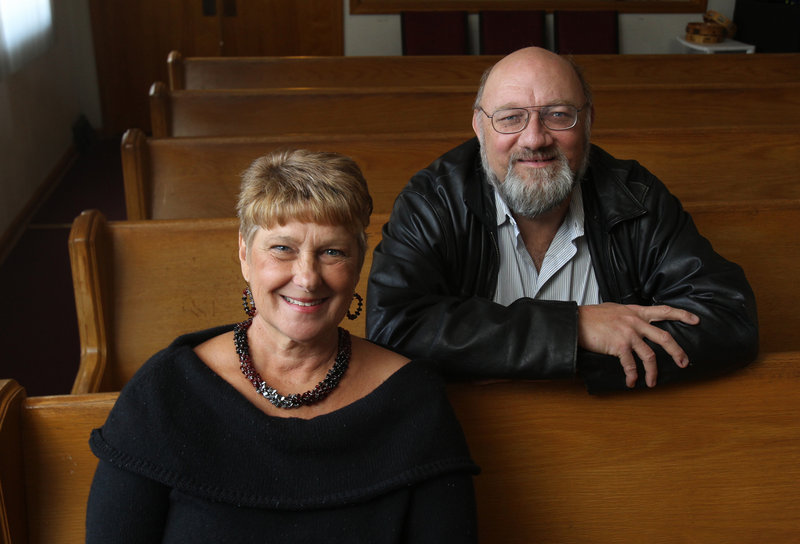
(173, 178)
(711, 461)
(147, 282)
(13, 517)
(187, 72)
(51, 481)
(758, 235)
(392, 110)
(132, 39)
(140, 284)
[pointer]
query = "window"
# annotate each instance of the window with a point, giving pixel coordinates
(26, 31)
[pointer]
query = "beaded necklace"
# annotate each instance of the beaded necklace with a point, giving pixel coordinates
(296, 400)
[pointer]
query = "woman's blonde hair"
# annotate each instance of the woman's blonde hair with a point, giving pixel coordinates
(309, 186)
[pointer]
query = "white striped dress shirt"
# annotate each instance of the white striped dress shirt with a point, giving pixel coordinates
(567, 272)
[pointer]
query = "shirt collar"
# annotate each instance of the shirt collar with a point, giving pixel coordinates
(574, 220)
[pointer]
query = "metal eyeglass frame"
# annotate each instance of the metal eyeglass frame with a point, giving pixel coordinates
(528, 120)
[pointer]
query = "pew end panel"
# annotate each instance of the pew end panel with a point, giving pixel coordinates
(59, 466)
(88, 252)
(13, 514)
(160, 110)
(176, 70)
(711, 461)
(46, 466)
(136, 176)
(165, 278)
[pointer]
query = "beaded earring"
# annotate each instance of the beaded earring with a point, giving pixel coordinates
(352, 316)
(248, 303)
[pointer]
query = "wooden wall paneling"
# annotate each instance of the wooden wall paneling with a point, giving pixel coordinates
(133, 39)
(279, 28)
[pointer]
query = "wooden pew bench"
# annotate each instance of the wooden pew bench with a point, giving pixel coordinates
(46, 467)
(709, 461)
(139, 284)
(458, 70)
(174, 178)
(712, 461)
(393, 110)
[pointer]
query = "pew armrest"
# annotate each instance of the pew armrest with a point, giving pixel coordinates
(159, 110)
(176, 71)
(87, 242)
(13, 515)
(135, 166)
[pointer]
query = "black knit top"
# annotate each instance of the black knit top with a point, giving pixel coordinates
(185, 458)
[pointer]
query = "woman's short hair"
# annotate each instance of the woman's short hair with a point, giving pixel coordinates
(310, 186)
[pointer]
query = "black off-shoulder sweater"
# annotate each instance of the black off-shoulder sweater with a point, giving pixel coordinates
(185, 458)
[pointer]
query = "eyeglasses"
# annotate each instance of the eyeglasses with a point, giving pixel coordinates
(513, 120)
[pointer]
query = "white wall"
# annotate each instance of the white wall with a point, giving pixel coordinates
(38, 106)
(639, 33)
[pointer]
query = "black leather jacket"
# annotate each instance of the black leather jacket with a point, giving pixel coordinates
(435, 271)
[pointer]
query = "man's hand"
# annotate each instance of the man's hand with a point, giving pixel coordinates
(615, 329)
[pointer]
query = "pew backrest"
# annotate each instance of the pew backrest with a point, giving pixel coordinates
(393, 110)
(712, 461)
(140, 284)
(457, 70)
(174, 178)
(757, 236)
(708, 461)
(46, 467)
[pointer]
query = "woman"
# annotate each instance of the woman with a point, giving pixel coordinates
(284, 428)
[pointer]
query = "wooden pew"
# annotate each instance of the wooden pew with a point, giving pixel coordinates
(393, 110)
(712, 461)
(703, 462)
(46, 467)
(139, 284)
(754, 235)
(174, 178)
(458, 70)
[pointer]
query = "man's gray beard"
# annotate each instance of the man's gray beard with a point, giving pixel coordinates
(546, 189)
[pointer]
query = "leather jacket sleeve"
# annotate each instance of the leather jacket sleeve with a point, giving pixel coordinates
(657, 256)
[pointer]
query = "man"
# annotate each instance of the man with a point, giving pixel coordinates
(530, 253)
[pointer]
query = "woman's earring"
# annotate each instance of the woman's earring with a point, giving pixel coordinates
(248, 303)
(360, 301)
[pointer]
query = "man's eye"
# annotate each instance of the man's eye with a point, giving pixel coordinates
(511, 118)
